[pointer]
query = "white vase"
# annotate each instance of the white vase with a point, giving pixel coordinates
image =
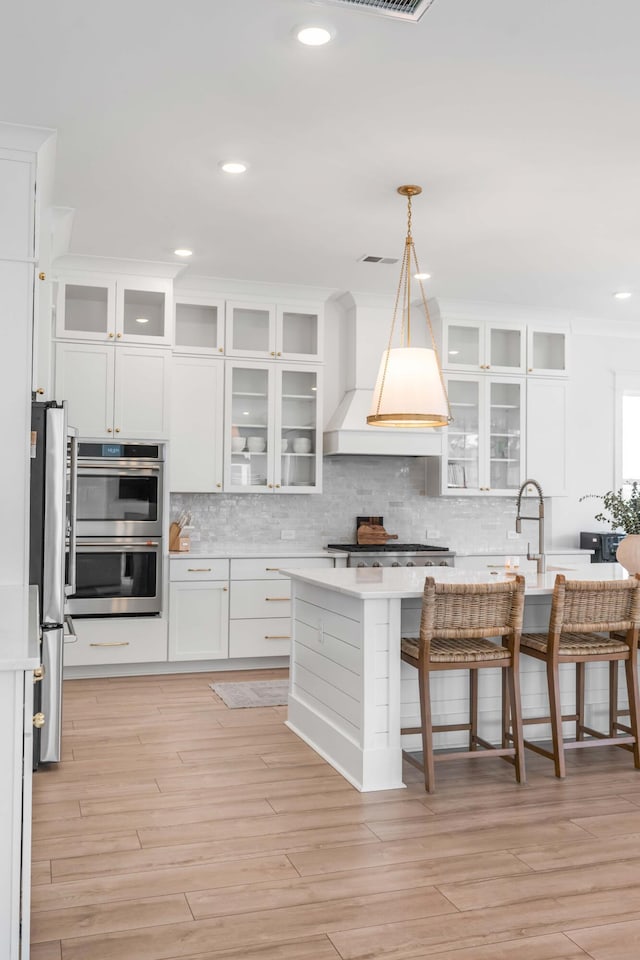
(628, 553)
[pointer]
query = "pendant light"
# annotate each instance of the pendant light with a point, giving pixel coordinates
(410, 390)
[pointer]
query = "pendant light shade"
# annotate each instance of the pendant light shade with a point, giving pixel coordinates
(410, 390)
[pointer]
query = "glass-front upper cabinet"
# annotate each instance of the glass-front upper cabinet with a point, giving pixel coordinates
(131, 310)
(273, 440)
(249, 433)
(473, 345)
(273, 332)
(484, 438)
(297, 468)
(199, 326)
(547, 352)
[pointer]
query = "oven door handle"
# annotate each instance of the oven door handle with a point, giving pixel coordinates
(118, 546)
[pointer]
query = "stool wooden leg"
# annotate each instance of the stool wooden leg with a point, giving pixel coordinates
(427, 730)
(613, 696)
(473, 709)
(553, 682)
(634, 706)
(516, 721)
(580, 701)
(506, 715)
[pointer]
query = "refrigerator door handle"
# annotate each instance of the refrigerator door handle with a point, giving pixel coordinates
(51, 733)
(71, 586)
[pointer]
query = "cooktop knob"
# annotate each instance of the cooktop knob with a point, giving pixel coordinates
(362, 564)
(395, 564)
(376, 563)
(443, 563)
(410, 563)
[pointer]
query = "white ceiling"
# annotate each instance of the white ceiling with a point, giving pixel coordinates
(518, 118)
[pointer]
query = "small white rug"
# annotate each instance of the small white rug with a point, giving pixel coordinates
(253, 693)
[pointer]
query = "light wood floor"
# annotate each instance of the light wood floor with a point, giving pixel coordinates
(176, 828)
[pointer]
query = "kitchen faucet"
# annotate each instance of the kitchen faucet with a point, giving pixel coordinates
(539, 557)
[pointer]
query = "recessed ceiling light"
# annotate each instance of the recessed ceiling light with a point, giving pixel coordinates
(142, 319)
(245, 413)
(422, 276)
(622, 295)
(314, 36)
(453, 353)
(233, 166)
(183, 252)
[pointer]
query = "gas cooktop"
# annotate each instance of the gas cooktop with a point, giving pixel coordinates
(392, 547)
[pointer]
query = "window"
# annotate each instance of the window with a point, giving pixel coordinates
(627, 430)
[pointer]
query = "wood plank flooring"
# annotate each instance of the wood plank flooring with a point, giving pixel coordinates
(177, 829)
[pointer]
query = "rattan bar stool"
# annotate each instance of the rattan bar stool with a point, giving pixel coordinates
(456, 625)
(591, 622)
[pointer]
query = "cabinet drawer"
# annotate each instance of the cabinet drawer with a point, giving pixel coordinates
(268, 568)
(260, 598)
(260, 638)
(109, 640)
(198, 568)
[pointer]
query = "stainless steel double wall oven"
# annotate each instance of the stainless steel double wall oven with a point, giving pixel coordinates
(119, 529)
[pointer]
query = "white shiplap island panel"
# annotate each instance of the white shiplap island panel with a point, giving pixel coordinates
(349, 691)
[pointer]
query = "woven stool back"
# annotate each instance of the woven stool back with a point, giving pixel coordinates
(458, 611)
(584, 606)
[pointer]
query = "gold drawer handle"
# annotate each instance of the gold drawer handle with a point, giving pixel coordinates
(276, 636)
(198, 569)
(272, 569)
(277, 598)
(111, 643)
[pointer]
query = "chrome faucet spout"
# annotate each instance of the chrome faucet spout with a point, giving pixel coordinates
(539, 557)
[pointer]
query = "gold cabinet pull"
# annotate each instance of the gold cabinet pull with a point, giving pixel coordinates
(110, 336)
(38, 673)
(38, 720)
(118, 336)
(276, 636)
(277, 598)
(225, 589)
(117, 429)
(111, 643)
(272, 569)
(198, 569)
(40, 391)
(109, 430)
(42, 276)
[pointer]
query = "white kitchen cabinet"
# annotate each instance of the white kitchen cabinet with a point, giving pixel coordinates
(485, 437)
(198, 618)
(42, 360)
(128, 309)
(472, 345)
(260, 607)
(199, 325)
(98, 641)
(547, 434)
(272, 428)
(283, 332)
(547, 352)
(114, 389)
(196, 431)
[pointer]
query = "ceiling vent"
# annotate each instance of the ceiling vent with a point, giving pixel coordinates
(397, 9)
(378, 260)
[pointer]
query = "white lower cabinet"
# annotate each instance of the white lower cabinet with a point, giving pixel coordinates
(260, 609)
(198, 609)
(114, 640)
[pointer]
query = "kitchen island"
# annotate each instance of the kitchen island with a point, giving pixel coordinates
(349, 692)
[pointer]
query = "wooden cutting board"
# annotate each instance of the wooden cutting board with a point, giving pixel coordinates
(374, 534)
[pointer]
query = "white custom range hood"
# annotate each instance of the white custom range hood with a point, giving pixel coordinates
(368, 321)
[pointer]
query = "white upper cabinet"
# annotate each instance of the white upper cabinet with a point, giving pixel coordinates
(547, 352)
(114, 390)
(472, 345)
(131, 310)
(267, 331)
(199, 326)
(195, 464)
(272, 428)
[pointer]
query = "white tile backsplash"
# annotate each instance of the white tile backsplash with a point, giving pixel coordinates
(389, 486)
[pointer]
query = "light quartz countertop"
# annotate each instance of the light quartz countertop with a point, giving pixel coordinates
(568, 551)
(235, 551)
(386, 583)
(19, 628)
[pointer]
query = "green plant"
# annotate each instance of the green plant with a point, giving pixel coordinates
(622, 512)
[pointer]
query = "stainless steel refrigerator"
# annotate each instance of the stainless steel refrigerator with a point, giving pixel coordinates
(51, 558)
